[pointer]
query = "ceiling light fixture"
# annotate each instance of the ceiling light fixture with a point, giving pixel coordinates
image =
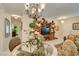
(34, 10)
(63, 17)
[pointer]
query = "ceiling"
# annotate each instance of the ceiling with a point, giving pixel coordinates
(52, 10)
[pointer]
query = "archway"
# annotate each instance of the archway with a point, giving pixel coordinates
(16, 26)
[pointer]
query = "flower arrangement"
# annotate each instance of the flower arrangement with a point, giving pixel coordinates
(35, 40)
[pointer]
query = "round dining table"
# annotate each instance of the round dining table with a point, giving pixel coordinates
(21, 46)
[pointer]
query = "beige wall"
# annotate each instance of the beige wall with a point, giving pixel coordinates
(6, 39)
(25, 28)
(67, 26)
(3, 40)
(1, 31)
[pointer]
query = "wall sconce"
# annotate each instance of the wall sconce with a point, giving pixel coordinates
(62, 21)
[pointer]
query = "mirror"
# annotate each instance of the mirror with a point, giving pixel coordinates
(7, 27)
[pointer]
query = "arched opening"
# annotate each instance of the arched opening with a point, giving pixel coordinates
(16, 26)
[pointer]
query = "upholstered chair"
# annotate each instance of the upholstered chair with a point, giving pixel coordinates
(15, 41)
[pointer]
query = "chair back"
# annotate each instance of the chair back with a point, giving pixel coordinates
(15, 41)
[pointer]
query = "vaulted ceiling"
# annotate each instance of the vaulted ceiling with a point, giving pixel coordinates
(52, 9)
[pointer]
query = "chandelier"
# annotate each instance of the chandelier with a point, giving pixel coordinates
(34, 10)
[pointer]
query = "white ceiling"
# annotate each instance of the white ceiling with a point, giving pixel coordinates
(52, 9)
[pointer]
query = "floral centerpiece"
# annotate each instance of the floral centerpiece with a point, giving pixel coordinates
(35, 44)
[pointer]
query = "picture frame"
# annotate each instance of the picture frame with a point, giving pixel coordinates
(75, 26)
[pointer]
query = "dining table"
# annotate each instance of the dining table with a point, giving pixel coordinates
(21, 49)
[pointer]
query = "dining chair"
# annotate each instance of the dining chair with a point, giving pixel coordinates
(15, 41)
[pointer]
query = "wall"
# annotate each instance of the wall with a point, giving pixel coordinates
(67, 26)
(3, 41)
(25, 26)
(6, 39)
(1, 29)
(59, 27)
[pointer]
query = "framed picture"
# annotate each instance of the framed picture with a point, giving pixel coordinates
(7, 27)
(75, 26)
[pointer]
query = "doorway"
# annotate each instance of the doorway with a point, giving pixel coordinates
(16, 26)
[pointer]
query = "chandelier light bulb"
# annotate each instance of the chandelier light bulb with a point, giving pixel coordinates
(62, 21)
(27, 6)
(39, 10)
(34, 9)
(33, 12)
(42, 6)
